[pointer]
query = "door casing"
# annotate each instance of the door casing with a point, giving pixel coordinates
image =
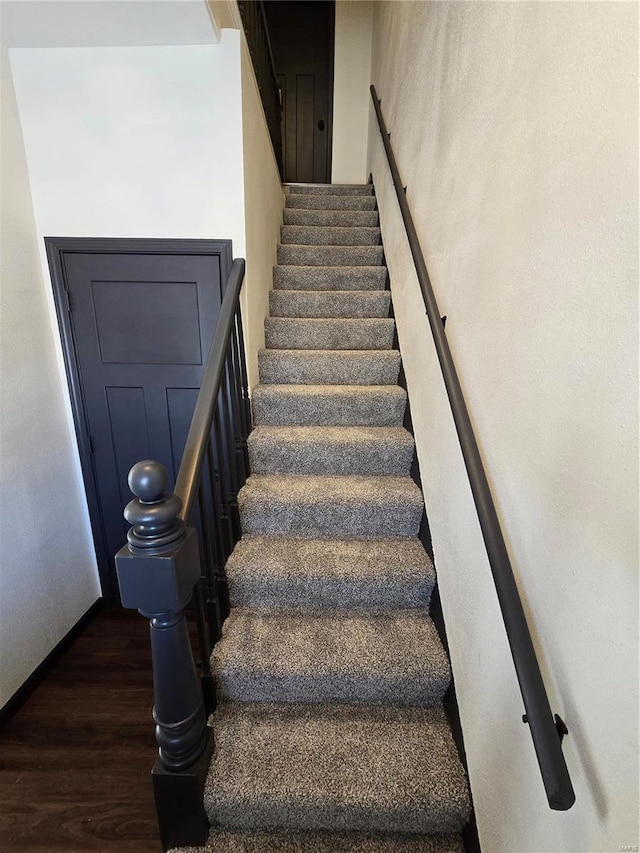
(56, 247)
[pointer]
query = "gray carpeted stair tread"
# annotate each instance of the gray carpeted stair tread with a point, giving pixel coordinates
(329, 189)
(332, 767)
(328, 405)
(343, 218)
(337, 303)
(329, 256)
(239, 841)
(330, 656)
(310, 201)
(325, 235)
(330, 450)
(329, 278)
(370, 333)
(292, 571)
(330, 506)
(330, 733)
(328, 367)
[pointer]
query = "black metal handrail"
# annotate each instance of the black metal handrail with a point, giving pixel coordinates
(228, 329)
(546, 731)
(254, 21)
(167, 563)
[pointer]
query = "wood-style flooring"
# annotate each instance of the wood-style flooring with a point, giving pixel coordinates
(75, 760)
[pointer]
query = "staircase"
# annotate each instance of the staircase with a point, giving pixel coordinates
(330, 733)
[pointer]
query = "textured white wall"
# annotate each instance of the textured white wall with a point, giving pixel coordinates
(134, 141)
(107, 23)
(515, 126)
(351, 80)
(48, 575)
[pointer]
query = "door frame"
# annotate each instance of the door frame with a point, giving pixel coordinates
(56, 248)
(332, 62)
(331, 4)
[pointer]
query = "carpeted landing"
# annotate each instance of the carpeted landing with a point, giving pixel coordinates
(330, 734)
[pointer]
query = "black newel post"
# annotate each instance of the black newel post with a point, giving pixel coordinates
(157, 571)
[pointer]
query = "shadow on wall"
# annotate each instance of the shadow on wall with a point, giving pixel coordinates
(578, 750)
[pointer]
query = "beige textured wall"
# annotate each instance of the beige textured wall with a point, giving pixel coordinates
(263, 197)
(263, 203)
(225, 14)
(515, 128)
(351, 80)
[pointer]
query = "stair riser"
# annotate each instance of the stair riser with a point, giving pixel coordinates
(323, 518)
(401, 692)
(282, 367)
(330, 256)
(368, 594)
(330, 202)
(329, 278)
(341, 218)
(330, 842)
(312, 334)
(327, 236)
(277, 409)
(307, 817)
(329, 189)
(296, 303)
(271, 457)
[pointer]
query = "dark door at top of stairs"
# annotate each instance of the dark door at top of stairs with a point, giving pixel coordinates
(137, 319)
(302, 41)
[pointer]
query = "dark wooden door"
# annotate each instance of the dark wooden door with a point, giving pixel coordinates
(137, 320)
(302, 36)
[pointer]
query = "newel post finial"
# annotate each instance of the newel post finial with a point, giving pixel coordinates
(154, 514)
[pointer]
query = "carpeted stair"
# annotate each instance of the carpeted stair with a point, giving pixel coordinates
(330, 734)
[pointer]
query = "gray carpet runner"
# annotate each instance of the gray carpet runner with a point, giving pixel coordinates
(330, 734)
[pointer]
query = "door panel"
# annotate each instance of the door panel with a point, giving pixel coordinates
(141, 326)
(304, 127)
(287, 153)
(301, 33)
(128, 335)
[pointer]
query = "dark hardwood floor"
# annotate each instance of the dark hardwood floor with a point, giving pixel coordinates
(75, 760)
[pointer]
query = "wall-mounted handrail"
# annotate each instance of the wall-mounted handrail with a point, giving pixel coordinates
(545, 731)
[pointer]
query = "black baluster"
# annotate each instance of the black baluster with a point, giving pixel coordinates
(222, 464)
(236, 408)
(157, 571)
(243, 402)
(229, 456)
(243, 371)
(218, 534)
(212, 605)
(205, 646)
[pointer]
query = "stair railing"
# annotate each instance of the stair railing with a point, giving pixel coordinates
(254, 21)
(166, 564)
(546, 731)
